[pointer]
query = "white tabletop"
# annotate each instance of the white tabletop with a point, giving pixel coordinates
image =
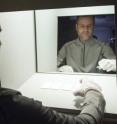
(55, 89)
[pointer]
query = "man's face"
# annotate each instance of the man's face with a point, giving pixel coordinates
(84, 27)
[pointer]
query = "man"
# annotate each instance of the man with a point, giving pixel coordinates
(86, 53)
(18, 109)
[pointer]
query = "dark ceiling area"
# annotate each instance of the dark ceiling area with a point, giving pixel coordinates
(16, 5)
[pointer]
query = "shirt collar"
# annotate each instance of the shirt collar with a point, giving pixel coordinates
(88, 42)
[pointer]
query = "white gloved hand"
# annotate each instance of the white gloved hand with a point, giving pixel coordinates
(85, 86)
(107, 65)
(65, 68)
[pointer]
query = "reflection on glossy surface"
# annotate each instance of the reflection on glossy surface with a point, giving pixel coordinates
(58, 21)
(86, 52)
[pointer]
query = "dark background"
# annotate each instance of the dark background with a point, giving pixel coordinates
(104, 29)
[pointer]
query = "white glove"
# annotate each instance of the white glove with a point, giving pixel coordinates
(66, 68)
(107, 65)
(85, 86)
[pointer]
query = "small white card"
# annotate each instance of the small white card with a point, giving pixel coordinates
(60, 84)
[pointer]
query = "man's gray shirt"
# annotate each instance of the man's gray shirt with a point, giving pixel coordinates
(84, 56)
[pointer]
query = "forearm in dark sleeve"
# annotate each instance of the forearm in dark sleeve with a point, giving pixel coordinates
(35, 113)
(91, 113)
(93, 107)
(54, 117)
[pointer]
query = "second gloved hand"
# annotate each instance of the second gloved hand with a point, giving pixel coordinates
(107, 65)
(65, 68)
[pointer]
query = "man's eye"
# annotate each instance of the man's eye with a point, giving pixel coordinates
(82, 26)
(89, 26)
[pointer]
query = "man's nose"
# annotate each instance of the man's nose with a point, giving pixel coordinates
(86, 28)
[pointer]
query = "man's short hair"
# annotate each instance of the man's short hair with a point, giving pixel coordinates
(91, 16)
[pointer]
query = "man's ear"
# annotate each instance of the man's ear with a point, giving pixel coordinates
(76, 27)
